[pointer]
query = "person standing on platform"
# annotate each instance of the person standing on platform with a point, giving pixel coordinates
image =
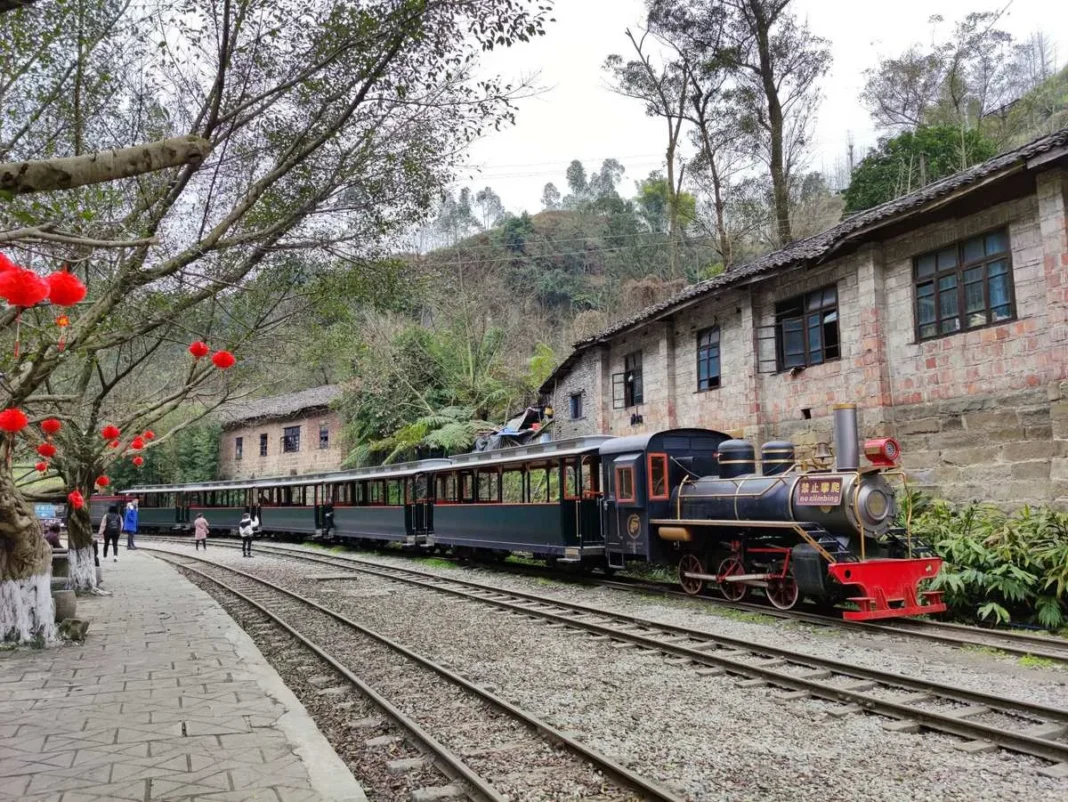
(200, 532)
(246, 529)
(52, 536)
(110, 527)
(129, 523)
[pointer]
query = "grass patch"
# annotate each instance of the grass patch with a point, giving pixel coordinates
(1033, 661)
(744, 616)
(989, 651)
(548, 583)
(435, 562)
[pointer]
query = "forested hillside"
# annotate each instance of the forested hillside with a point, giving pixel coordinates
(457, 330)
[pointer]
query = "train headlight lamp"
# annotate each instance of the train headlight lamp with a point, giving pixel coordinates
(876, 505)
(883, 452)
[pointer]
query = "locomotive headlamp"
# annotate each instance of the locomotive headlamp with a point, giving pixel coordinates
(876, 505)
(883, 452)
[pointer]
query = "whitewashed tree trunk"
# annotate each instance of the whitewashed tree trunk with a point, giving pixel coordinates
(82, 573)
(27, 613)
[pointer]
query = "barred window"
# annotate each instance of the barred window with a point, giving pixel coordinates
(806, 329)
(575, 405)
(708, 358)
(263, 445)
(290, 439)
(967, 285)
(324, 437)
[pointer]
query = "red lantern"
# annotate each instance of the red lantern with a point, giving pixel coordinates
(41, 466)
(6, 264)
(46, 450)
(13, 420)
(137, 443)
(110, 432)
(23, 287)
(199, 349)
(102, 481)
(113, 444)
(149, 434)
(223, 360)
(51, 426)
(138, 460)
(76, 499)
(65, 288)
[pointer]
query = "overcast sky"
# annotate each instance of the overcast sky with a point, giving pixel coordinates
(578, 117)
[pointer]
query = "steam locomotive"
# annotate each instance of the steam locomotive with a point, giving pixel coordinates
(690, 498)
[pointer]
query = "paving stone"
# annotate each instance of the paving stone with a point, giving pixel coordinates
(166, 699)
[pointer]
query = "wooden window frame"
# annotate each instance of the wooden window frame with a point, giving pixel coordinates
(633, 386)
(704, 354)
(291, 442)
(575, 401)
(957, 272)
(324, 437)
(263, 444)
(662, 459)
(798, 310)
(619, 485)
(239, 448)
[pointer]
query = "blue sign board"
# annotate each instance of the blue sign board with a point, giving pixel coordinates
(44, 510)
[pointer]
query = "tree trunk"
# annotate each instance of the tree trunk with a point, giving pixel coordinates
(27, 613)
(777, 163)
(80, 556)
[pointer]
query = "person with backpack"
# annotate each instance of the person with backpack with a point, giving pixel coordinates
(110, 527)
(200, 532)
(246, 529)
(129, 523)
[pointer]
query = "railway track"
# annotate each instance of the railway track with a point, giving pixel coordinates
(969, 637)
(501, 748)
(984, 721)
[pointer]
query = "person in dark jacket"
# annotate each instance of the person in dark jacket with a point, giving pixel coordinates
(52, 536)
(129, 523)
(110, 527)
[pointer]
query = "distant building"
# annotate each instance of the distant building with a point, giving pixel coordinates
(283, 435)
(943, 314)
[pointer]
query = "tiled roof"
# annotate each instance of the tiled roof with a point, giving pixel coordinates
(279, 406)
(814, 249)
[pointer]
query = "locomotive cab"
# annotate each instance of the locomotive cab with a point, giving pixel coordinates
(639, 474)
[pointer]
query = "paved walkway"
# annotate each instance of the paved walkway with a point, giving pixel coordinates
(167, 699)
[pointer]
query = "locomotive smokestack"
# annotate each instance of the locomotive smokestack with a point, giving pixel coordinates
(846, 441)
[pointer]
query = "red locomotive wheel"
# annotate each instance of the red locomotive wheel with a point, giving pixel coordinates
(783, 593)
(733, 591)
(691, 564)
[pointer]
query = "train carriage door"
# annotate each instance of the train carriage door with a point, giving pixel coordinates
(422, 506)
(624, 505)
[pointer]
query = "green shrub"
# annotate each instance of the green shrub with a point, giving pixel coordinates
(999, 567)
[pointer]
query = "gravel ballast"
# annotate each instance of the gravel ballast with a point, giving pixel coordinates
(704, 736)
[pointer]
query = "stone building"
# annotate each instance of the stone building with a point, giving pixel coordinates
(943, 314)
(283, 435)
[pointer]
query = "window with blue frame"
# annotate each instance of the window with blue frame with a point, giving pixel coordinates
(708, 358)
(806, 329)
(964, 286)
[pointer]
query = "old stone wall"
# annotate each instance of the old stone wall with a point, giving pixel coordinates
(309, 459)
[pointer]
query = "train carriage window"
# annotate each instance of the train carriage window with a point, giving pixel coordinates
(591, 478)
(553, 495)
(467, 487)
(538, 486)
(571, 488)
(394, 495)
(513, 487)
(625, 484)
(489, 487)
(658, 477)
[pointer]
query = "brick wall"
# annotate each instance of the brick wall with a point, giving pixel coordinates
(980, 415)
(309, 459)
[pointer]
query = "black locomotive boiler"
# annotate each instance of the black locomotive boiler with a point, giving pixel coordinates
(796, 532)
